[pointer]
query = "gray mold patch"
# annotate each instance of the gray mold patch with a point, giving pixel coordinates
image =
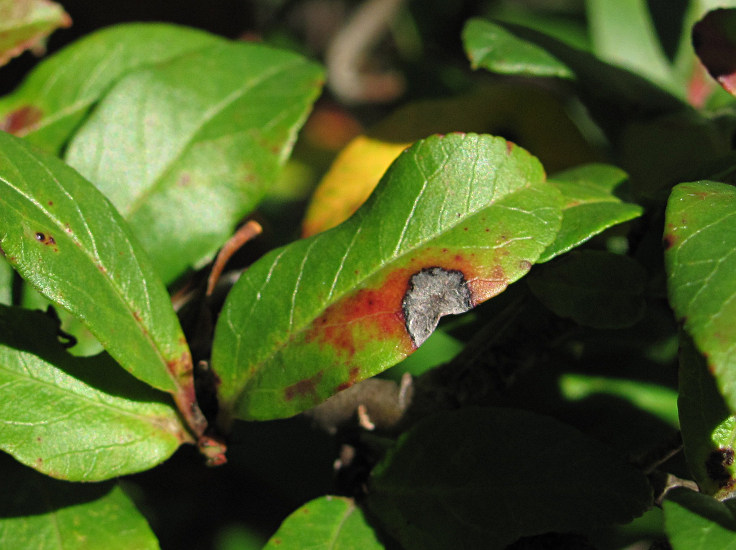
(433, 292)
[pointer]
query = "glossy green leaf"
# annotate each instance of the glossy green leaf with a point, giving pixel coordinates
(186, 149)
(590, 205)
(495, 48)
(613, 95)
(700, 240)
(329, 523)
(76, 419)
(70, 243)
(25, 24)
(49, 105)
(622, 33)
(512, 110)
(45, 514)
(453, 222)
(484, 477)
(596, 289)
(708, 428)
(694, 521)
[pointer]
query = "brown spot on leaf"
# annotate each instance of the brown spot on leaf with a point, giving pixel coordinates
(304, 388)
(21, 120)
(46, 239)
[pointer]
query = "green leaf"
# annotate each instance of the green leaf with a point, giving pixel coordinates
(48, 106)
(590, 205)
(622, 33)
(595, 288)
(613, 95)
(694, 521)
(39, 512)
(453, 222)
(500, 51)
(72, 418)
(25, 24)
(484, 477)
(708, 428)
(70, 243)
(700, 239)
(329, 522)
(186, 149)
(6, 282)
(658, 400)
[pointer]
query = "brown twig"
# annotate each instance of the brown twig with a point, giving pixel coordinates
(246, 232)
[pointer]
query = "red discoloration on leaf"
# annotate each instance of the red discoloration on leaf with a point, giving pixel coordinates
(21, 120)
(304, 388)
(376, 313)
(352, 380)
(369, 313)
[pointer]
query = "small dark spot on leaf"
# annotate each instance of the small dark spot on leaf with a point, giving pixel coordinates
(668, 241)
(433, 292)
(465, 228)
(303, 388)
(488, 230)
(39, 439)
(45, 239)
(51, 203)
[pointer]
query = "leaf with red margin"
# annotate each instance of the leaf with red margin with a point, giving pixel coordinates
(469, 212)
(700, 261)
(714, 40)
(66, 239)
(24, 24)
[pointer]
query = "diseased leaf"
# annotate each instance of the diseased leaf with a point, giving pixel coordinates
(70, 243)
(694, 521)
(714, 40)
(42, 513)
(499, 108)
(329, 522)
(595, 288)
(24, 24)
(453, 222)
(700, 241)
(184, 163)
(76, 419)
(589, 205)
(484, 477)
(708, 428)
(49, 105)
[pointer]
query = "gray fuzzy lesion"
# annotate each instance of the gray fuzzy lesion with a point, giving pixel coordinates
(432, 293)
